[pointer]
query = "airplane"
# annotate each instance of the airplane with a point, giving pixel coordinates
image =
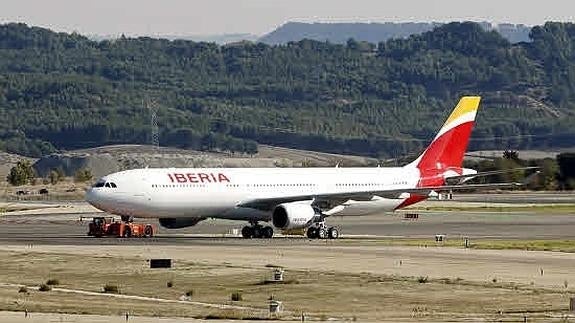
(292, 198)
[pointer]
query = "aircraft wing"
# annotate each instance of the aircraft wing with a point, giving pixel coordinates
(268, 204)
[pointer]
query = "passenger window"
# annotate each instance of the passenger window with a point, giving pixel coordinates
(107, 185)
(113, 185)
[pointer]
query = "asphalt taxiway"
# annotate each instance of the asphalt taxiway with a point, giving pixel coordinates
(71, 228)
(68, 229)
(64, 225)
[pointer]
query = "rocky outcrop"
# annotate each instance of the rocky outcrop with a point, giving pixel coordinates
(70, 163)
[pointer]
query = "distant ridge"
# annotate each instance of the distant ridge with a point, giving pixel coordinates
(220, 39)
(339, 33)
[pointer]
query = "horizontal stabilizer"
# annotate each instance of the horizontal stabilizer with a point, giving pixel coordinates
(458, 179)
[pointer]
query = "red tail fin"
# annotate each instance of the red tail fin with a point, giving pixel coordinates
(449, 145)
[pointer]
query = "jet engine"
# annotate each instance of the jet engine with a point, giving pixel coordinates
(293, 215)
(178, 223)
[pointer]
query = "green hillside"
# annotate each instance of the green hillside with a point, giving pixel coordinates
(64, 91)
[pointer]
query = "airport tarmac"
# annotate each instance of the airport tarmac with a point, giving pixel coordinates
(524, 224)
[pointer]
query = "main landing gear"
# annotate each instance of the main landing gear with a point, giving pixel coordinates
(319, 230)
(257, 231)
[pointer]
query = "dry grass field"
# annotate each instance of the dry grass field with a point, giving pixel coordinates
(320, 294)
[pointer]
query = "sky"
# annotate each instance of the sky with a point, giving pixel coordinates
(210, 17)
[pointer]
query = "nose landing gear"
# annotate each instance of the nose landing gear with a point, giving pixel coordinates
(257, 231)
(127, 218)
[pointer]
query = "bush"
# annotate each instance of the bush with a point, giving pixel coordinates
(45, 288)
(21, 174)
(170, 284)
(190, 293)
(52, 282)
(23, 289)
(55, 176)
(236, 296)
(112, 289)
(83, 175)
(422, 280)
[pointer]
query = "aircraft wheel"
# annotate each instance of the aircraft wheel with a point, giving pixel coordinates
(311, 232)
(267, 232)
(333, 233)
(148, 231)
(321, 233)
(257, 232)
(247, 232)
(128, 233)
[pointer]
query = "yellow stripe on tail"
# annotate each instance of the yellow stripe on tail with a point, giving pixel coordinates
(467, 104)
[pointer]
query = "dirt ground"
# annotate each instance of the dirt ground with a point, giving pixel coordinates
(340, 283)
(65, 190)
(516, 266)
(18, 317)
(19, 208)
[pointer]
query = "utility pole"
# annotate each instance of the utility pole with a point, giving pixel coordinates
(155, 139)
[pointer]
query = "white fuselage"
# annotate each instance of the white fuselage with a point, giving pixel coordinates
(217, 192)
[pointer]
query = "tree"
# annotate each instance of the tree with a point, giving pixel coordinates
(509, 164)
(65, 91)
(511, 155)
(21, 174)
(549, 172)
(83, 175)
(55, 176)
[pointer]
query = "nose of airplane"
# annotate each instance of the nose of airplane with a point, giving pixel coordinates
(91, 196)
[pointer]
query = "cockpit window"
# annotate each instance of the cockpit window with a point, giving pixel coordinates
(99, 184)
(105, 184)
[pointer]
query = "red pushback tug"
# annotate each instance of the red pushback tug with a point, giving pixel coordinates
(107, 227)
